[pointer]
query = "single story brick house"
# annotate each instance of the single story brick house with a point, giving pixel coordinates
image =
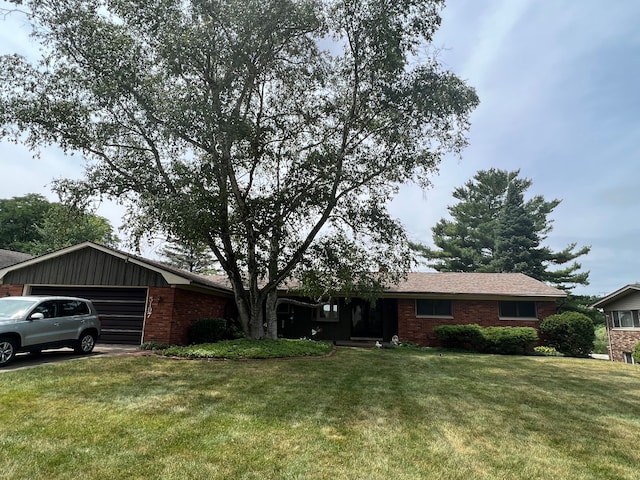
(142, 300)
(622, 313)
(423, 301)
(138, 300)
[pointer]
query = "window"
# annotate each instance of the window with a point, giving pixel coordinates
(628, 358)
(69, 308)
(426, 307)
(328, 312)
(626, 319)
(48, 309)
(517, 309)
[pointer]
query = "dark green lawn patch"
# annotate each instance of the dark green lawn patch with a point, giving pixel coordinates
(247, 349)
(372, 414)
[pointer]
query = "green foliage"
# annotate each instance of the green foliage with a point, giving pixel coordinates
(547, 351)
(211, 330)
(153, 346)
(502, 340)
(31, 224)
(601, 342)
(246, 348)
(466, 337)
(509, 340)
(582, 304)
(65, 226)
(636, 353)
(234, 125)
(20, 221)
(571, 333)
(494, 229)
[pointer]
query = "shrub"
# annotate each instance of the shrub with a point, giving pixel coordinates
(571, 333)
(466, 337)
(154, 346)
(509, 340)
(636, 353)
(503, 340)
(547, 351)
(208, 330)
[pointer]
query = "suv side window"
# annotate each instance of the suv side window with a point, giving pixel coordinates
(48, 309)
(69, 308)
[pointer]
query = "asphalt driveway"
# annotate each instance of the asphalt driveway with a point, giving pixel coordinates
(26, 360)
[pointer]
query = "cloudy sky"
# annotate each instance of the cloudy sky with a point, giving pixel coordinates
(559, 87)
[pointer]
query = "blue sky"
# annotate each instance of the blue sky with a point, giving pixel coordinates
(560, 100)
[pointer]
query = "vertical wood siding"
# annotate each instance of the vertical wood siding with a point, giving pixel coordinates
(86, 267)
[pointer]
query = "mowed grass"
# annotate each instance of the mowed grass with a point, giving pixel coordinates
(358, 414)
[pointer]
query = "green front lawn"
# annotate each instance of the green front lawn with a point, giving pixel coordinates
(358, 414)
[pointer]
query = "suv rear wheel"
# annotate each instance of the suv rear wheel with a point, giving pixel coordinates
(7, 350)
(86, 342)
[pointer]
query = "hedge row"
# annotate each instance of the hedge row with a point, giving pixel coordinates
(502, 340)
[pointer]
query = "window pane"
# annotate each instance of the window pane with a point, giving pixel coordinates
(625, 319)
(508, 309)
(423, 307)
(442, 307)
(518, 309)
(430, 307)
(527, 309)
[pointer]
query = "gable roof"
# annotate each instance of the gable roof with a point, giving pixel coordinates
(618, 294)
(9, 257)
(172, 275)
(474, 284)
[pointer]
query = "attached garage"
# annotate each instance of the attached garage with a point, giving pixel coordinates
(138, 300)
(121, 310)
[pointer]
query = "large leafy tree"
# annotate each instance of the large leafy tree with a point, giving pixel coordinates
(494, 229)
(20, 221)
(273, 130)
(32, 224)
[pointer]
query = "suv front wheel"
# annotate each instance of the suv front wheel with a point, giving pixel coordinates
(86, 342)
(7, 350)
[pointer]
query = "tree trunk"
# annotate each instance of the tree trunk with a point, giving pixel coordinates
(272, 316)
(256, 322)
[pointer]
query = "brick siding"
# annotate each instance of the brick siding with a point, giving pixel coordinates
(482, 312)
(11, 290)
(174, 310)
(622, 341)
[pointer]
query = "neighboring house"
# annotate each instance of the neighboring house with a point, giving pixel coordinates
(414, 307)
(138, 300)
(622, 312)
(141, 300)
(8, 257)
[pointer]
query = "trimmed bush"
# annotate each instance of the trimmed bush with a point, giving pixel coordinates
(502, 340)
(465, 337)
(509, 340)
(571, 333)
(636, 353)
(208, 330)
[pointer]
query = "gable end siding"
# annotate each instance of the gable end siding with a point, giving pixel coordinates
(86, 267)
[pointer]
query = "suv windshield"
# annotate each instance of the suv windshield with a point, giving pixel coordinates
(14, 307)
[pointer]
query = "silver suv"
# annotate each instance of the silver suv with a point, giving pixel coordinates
(32, 324)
